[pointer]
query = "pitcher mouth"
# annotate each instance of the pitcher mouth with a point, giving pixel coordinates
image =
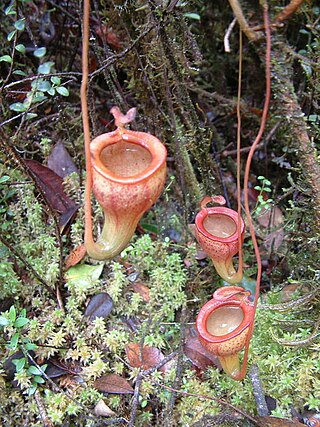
(206, 314)
(205, 221)
(154, 153)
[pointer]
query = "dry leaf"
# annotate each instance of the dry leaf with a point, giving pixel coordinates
(52, 187)
(272, 219)
(113, 383)
(103, 410)
(75, 256)
(143, 290)
(197, 354)
(60, 161)
(100, 305)
(200, 255)
(147, 358)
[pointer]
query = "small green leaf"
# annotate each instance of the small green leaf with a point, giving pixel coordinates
(56, 80)
(39, 380)
(6, 58)
(19, 363)
(38, 97)
(194, 16)
(45, 68)
(51, 91)
(32, 389)
(143, 403)
(20, 24)
(14, 341)
(21, 322)
(313, 118)
(84, 273)
(4, 178)
(33, 370)
(4, 321)
(18, 106)
(10, 9)
(12, 314)
(20, 73)
(30, 116)
(21, 48)
(40, 52)
(62, 90)
(43, 85)
(30, 346)
(11, 35)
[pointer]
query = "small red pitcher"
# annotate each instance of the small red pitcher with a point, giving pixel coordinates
(223, 325)
(217, 233)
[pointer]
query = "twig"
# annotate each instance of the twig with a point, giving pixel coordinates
(26, 263)
(261, 145)
(295, 303)
(289, 10)
(112, 59)
(9, 148)
(139, 379)
(214, 399)
(65, 393)
(22, 114)
(42, 411)
(252, 35)
(258, 392)
(135, 400)
(301, 343)
(41, 76)
(178, 374)
(64, 11)
(227, 35)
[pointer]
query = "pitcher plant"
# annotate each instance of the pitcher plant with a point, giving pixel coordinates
(128, 175)
(217, 232)
(223, 326)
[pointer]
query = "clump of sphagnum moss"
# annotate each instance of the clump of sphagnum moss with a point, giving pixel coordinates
(289, 374)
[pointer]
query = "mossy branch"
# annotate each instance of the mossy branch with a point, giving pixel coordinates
(289, 108)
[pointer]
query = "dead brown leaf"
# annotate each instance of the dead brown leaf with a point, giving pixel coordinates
(75, 256)
(52, 186)
(60, 161)
(143, 290)
(145, 359)
(197, 354)
(113, 383)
